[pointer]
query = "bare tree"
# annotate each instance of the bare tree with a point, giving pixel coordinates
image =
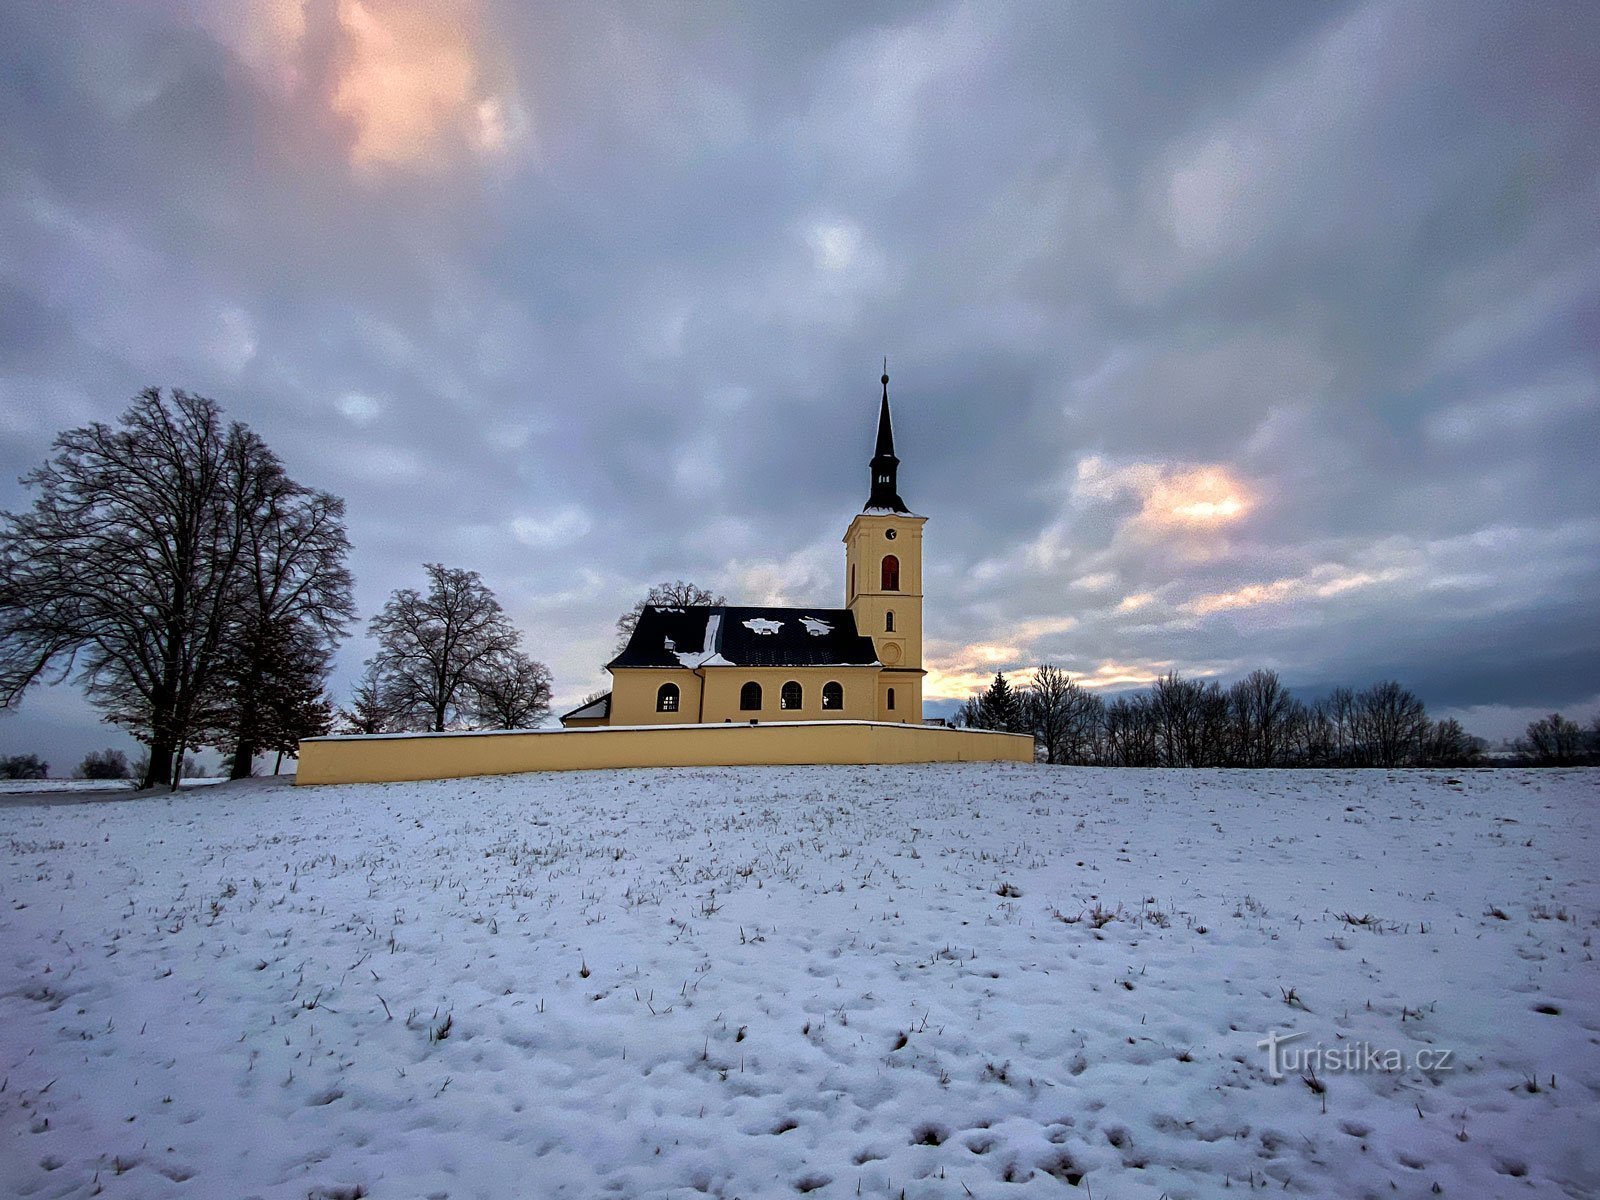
(24, 766)
(104, 764)
(1391, 723)
(679, 592)
(1447, 744)
(1340, 708)
(1044, 709)
(1191, 721)
(1260, 710)
(1131, 735)
(431, 647)
(294, 606)
(1312, 740)
(1552, 741)
(511, 692)
(125, 571)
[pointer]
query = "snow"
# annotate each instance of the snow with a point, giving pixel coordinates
(816, 626)
(991, 979)
(707, 655)
(58, 787)
(763, 625)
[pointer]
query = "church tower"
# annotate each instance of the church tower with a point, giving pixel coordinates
(883, 579)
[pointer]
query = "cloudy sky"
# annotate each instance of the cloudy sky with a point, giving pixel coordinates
(1221, 335)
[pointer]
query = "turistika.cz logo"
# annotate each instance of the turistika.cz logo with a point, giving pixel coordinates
(1346, 1057)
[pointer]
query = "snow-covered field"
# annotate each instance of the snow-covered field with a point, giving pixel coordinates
(984, 980)
(78, 787)
(56, 787)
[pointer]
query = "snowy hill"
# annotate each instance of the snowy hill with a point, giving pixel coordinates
(985, 980)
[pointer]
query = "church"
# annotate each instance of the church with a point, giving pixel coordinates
(711, 664)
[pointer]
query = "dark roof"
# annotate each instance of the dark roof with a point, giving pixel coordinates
(590, 709)
(677, 636)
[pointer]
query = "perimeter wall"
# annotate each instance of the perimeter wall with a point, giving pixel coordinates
(390, 758)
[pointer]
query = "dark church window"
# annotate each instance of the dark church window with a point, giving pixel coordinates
(667, 698)
(832, 696)
(891, 699)
(750, 697)
(791, 696)
(891, 573)
(888, 621)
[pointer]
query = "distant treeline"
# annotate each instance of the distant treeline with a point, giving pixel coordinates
(1256, 722)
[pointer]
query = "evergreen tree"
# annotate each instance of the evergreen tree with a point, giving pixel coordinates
(1000, 707)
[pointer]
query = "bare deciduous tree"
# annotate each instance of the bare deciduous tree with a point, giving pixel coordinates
(294, 605)
(1447, 744)
(1064, 718)
(678, 591)
(1260, 710)
(433, 645)
(1390, 723)
(1552, 741)
(511, 692)
(126, 568)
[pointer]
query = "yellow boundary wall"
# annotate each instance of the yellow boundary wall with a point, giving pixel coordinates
(395, 757)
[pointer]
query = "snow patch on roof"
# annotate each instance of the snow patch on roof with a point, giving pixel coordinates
(707, 655)
(763, 625)
(816, 626)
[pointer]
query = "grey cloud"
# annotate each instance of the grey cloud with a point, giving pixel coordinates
(1343, 253)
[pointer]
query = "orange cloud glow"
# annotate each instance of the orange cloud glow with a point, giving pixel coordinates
(955, 676)
(1321, 584)
(410, 78)
(1172, 496)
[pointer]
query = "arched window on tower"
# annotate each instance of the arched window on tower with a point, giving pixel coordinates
(888, 621)
(832, 696)
(667, 698)
(891, 573)
(890, 705)
(790, 696)
(750, 697)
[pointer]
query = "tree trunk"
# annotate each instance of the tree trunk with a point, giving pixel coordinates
(244, 757)
(159, 772)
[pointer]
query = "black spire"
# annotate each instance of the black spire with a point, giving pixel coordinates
(885, 466)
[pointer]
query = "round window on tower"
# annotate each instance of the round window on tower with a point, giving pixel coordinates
(890, 534)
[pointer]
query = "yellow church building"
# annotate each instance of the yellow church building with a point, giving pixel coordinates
(700, 664)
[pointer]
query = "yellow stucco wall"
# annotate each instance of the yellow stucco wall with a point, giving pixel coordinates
(633, 694)
(867, 542)
(390, 758)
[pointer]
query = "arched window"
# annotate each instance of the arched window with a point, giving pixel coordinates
(852, 581)
(832, 696)
(891, 573)
(891, 699)
(667, 698)
(888, 621)
(790, 696)
(750, 697)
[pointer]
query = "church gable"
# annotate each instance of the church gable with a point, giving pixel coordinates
(742, 636)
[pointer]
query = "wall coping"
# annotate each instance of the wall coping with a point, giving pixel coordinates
(602, 729)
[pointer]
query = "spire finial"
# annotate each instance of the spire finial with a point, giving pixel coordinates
(885, 466)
